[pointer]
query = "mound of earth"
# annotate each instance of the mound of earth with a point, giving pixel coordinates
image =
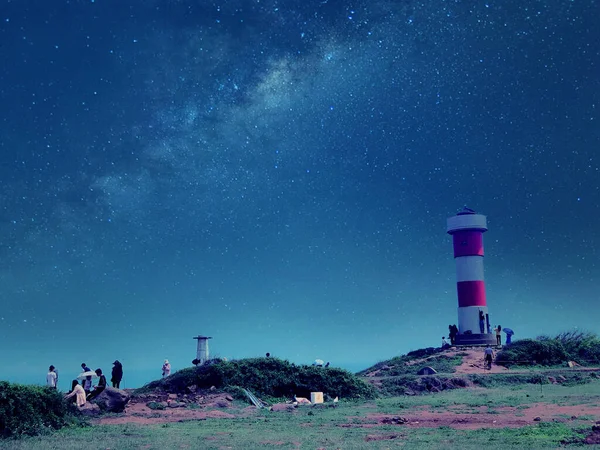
(164, 407)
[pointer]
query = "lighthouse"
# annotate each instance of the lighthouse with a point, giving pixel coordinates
(467, 228)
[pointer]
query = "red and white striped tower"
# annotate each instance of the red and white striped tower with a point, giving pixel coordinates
(466, 229)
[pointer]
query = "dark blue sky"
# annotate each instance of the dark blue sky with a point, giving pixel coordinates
(278, 175)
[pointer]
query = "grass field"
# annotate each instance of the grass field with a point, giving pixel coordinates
(351, 425)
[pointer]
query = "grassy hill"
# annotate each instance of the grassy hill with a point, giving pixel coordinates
(268, 377)
(412, 362)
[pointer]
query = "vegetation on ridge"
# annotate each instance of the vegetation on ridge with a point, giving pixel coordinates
(32, 410)
(269, 377)
(578, 346)
(410, 363)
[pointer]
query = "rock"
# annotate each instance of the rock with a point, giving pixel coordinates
(212, 388)
(395, 420)
(90, 410)
(192, 388)
(173, 396)
(561, 378)
(222, 404)
(551, 380)
(229, 398)
(460, 382)
(112, 400)
(538, 419)
(427, 371)
(409, 392)
(302, 401)
(282, 407)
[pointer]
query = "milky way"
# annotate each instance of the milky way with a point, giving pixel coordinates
(277, 175)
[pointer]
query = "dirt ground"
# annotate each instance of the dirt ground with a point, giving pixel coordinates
(221, 406)
(473, 362)
(213, 406)
(505, 417)
(456, 416)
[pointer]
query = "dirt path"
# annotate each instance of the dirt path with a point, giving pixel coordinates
(465, 418)
(472, 362)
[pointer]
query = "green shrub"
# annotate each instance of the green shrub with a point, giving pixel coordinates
(156, 405)
(270, 377)
(32, 410)
(546, 352)
(582, 347)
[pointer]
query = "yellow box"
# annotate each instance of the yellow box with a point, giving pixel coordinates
(316, 397)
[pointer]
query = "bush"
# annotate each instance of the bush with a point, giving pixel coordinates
(269, 377)
(582, 347)
(32, 410)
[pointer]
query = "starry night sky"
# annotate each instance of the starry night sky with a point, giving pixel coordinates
(278, 174)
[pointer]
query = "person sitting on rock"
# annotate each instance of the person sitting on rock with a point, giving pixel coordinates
(445, 344)
(100, 387)
(77, 392)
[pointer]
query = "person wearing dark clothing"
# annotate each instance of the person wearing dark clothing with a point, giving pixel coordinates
(488, 356)
(117, 374)
(481, 322)
(453, 331)
(87, 382)
(100, 387)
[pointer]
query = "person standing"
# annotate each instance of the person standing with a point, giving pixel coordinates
(87, 381)
(481, 322)
(488, 356)
(453, 331)
(117, 374)
(497, 330)
(51, 378)
(166, 369)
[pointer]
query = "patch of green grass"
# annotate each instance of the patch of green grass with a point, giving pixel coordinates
(519, 396)
(156, 405)
(324, 428)
(407, 364)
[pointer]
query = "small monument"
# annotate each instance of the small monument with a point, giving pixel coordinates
(202, 354)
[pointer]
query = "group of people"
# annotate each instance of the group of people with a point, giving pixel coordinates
(85, 391)
(453, 332)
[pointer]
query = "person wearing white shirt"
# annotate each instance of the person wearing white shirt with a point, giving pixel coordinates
(51, 378)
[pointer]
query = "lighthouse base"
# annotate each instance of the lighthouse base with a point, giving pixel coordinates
(476, 339)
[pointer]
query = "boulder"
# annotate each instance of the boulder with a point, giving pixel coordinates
(90, 410)
(112, 400)
(282, 407)
(427, 371)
